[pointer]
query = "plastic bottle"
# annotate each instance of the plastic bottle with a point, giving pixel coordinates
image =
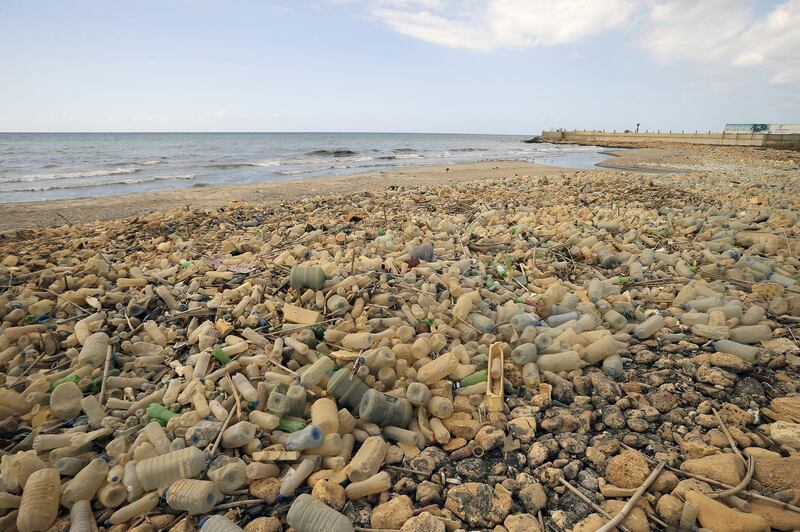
(11, 400)
(246, 390)
(65, 401)
(347, 388)
(94, 350)
(377, 483)
(193, 496)
(38, 507)
(437, 369)
(324, 414)
(166, 469)
(440, 407)
(530, 374)
(748, 353)
(600, 349)
(112, 495)
(230, 476)
(750, 334)
(154, 432)
(615, 320)
(648, 327)
(754, 315)
(238, 435)
(309, 514)
(307, 277)
(296, 476)
(564, 361)
(91, 407)
(81, 518)
(612, 366)
(134, 509)
(309, 437)
(264, 420)
(131, 482)
(86, 483)
(368, 460)
(25, 463)
(382, 409)
(259, 470)
(295, 401)
(322, 368)
(219, 523)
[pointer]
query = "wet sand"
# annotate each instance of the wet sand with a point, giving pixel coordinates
(646, 160)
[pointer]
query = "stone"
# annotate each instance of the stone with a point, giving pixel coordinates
(428, 493)
(533, 497)
(778, 473)
(733, 415)
(691, 484)
(572, 443)
(521, 523)
(523, 428)
(669, 508)
(596, 457)
(662, 401)
(627, 470)
(424, 522)
(264, 524)
(613, 417)
(429, 459)
(727, 468)
(489, 438)
(539, 453)
(715, 376)
(330, 493)
(478, 504)
(392, 514)
(665, 482)
(716, 516)
(635, 521)
(560, 423)
(266, 489)
(777, 517)
(786, 433)
(590, 523)
(461, 425)
(697, 448)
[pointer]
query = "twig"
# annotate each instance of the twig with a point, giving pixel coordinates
(234, 504)
(219, 436)
(27, 369)
(632, 501)
(105, 375)
(731, 442)
(751, 467)
(407, 470)
(235, 393)
(588, 501)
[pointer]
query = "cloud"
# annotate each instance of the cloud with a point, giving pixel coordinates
(492, 24)
(726, 33)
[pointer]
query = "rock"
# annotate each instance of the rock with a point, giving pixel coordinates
(590, 523)
(777, 517)
(461, 425)
(266, 489)
(716, 376)
(785, 433)
(539, 453)
(572, 443)
(478, 504)
(778, 473)
(665, 482)
(533, 497)
(596, 457)
(613, 417)
(429, 459)
(727, 468)
(428, 493)
(330, 493)
(733, 415)
(691, 484)
(523, 428)
(635, 521)
(662, 401)
(521, 523)
(264, 524)
(424, 522)
(669, 508)
(392, 514)
(697, 448)
(716, 516)
(489, 438)
(560, 423)
(627, 470)
(606, 444)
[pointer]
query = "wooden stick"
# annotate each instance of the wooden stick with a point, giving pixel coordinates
(632, 501)
(751, 467)
(219, 436)
(105, 375)
(234, 504)
(588, 501)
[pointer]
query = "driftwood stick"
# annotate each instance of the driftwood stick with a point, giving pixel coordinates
(632, 501)
(588, 501)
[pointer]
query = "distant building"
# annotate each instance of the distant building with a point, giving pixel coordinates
(775, 129)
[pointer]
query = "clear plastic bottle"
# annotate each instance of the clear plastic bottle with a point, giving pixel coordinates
(296, 476)
(65, 401)
(238, 435)
(325, 415)
(133, 487)
(530, 374)
(86, 483)
(346, 388)
(309, 514)
(112, 495)
(306, 438)
(246, 390)
(368, 460)
(14, 402)
(94, 350)
(750, 334)
(564, 361)
(322, 368)
(440, 407)
(418, 394)
(166, 469)
(601, 349)
(264, 420)
(753, 315)
(137, 508)
(296, 401)
(307, 277)
(649, 327)
(612, 366)
(437, 369)
(377, 483)
(154, 432)
(382, 409)
(193, 496)
(38, 507)
(81, 517)
(91, 407)
(230, 476)
(748, 353)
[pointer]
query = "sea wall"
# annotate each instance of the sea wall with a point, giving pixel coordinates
(614, 138)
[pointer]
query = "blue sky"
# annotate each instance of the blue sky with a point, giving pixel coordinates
(471, 66)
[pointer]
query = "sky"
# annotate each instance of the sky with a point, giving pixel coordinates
(468, 66)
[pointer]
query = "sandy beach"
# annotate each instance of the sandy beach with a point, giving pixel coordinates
(640, 161)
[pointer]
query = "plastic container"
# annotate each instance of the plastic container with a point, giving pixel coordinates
(295, 401)
(135, 509)
(753, 315)
(193, 496)
(319, 370)
(309, 437)
(91, 407)
(368, 460)
(298, 475)
(309, 514)
(86, 483)
(601, 349)
(166, 469)
(131, 481)
(382, 409)
(324, 414)
(38, 508)
(238, 435)
(750, 334)
(112, 495)
(612, 366)
(219, 523)
(649, 327)
(440, 407)
(154, 432)
(264, 420)
(81, 518)
(748, 353)
(347, 389)
(65, 401)
(230, 476)
(94, 350)
(437, 369)
(377, 483)
(246, 390)
(565, 361)
(307, 277)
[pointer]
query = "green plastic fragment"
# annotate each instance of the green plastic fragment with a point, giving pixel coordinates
(475, 378)
(97, 382)
(160, 413)
(288, 424)
(220, 355)
(62, 380)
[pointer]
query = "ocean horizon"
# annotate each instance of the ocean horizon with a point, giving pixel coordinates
(64, 165)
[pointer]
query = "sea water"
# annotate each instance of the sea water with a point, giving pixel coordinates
(45, 166)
